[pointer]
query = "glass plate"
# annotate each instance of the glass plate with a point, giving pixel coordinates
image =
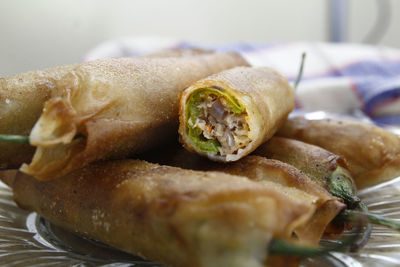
(27, 239)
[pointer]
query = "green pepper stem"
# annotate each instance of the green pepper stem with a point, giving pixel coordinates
(9, 138)
(281, 247)
(375, 219)
(349, 215)
(21, 139)
(300, 73)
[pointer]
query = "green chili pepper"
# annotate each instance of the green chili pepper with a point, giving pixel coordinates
(340, 184)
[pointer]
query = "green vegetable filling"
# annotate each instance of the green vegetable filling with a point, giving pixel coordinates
(193, 111)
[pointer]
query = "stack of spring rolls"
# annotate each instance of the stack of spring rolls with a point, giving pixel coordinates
(101, 160)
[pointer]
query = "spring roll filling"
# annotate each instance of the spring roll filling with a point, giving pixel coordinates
(217, 122)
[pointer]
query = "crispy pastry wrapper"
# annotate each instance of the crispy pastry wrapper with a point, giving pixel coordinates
(8, 176)
(170, 215)
(261, 170)
(316, 162)
(22, 98)
(115, 107)
(21, 102)
(372, 153)
(261, 97)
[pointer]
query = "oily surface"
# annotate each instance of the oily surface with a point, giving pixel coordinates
(261, 170)
(166, 214)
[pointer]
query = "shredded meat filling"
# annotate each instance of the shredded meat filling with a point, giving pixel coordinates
(218, 122)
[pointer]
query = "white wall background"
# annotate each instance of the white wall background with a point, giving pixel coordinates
(36, 34)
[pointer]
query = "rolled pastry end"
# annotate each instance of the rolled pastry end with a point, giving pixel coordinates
(215, 123)
(55, 126)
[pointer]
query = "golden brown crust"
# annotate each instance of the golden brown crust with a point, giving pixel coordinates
(21, 102)
(122, 106)
(170, 215)
(261, 169)
(8, 176)
(256, 168)
(287, 261)
(266, 95)
(321, 222)
(372, 153)
(315, 161)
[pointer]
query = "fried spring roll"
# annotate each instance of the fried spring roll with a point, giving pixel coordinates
(227, 115)
(22, 98)
(169, 215)
(21, 103)
(328, 170)
(262, 170)
(114, 107)
(328, 207)
(372, 153)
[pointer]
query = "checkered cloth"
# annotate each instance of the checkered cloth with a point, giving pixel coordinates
(350, 79)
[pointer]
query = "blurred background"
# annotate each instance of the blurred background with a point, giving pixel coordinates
(44, 33)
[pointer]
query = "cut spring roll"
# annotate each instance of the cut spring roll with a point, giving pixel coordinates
(227, 115)
(21, 102)
(169, 215)
(114, 107)
(372, 153)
